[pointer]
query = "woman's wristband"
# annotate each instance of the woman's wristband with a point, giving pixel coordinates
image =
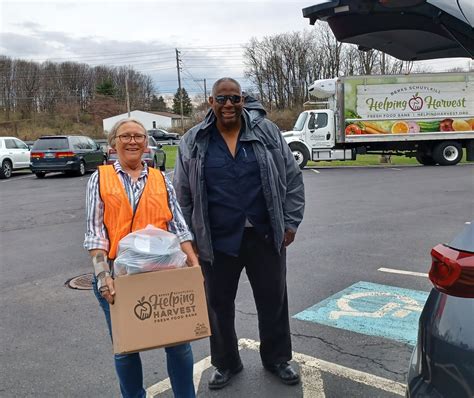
(100, 264)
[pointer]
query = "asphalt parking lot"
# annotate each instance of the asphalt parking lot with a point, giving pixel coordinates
(362, 227)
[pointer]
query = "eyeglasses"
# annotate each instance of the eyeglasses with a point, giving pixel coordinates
(222, 99)
(126, 138)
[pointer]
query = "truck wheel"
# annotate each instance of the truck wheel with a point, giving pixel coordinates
(447, 153)
(300, 153)
(40, 174)
(6, 170)
(425, 159)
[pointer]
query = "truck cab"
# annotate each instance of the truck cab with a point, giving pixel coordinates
(314, 138)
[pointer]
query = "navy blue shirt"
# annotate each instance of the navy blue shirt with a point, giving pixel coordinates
(234, 193)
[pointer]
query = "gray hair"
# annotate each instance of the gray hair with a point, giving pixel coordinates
(113, 133)
(222, 80)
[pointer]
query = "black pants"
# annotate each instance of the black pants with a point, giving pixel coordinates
(266, 271)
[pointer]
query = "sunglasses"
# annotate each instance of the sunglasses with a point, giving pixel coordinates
(222, 99)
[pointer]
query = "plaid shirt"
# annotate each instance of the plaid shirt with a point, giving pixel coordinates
(96, 234)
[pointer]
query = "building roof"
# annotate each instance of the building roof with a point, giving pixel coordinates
(169, 114)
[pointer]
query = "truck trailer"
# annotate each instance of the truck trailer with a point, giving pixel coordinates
(427, 116)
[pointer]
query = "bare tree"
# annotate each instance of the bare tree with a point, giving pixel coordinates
(283, 66)
(7, 73)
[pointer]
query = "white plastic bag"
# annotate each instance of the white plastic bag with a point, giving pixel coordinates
(149, 249)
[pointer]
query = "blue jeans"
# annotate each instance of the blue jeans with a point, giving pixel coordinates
(179, 362)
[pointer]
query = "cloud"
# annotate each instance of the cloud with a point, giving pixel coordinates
(28, 25)
(22, 46)
(153, 58)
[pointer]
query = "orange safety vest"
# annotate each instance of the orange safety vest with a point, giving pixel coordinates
(119, 219)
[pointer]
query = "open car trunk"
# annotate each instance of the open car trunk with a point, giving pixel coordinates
(409, 30)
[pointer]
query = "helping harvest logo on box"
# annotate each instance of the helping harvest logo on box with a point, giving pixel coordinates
(143, 309)
(201, 330)
(166, 306)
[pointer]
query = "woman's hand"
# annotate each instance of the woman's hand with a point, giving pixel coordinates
(192, 263)
(191, 260)
(107, 290)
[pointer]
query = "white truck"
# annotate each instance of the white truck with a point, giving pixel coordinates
(429, 116)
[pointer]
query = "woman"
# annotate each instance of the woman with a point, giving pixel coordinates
(126, 197)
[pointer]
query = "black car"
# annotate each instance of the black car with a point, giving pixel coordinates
(163, 135)
(442, 363)
(71, 154)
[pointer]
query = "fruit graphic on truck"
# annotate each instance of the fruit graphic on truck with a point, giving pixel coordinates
(416, 103)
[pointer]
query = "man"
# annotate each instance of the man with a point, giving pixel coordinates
(242, 193)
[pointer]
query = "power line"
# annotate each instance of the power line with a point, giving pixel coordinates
(127, 54)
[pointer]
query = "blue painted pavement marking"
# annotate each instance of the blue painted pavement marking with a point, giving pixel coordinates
(373, 309)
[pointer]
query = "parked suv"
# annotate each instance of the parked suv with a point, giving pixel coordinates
(163, 135)
(154, 156)
(14, 155)
(71, 154)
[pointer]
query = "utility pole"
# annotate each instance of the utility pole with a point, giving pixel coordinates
(126, 93)
(179, 90)
(205, 91)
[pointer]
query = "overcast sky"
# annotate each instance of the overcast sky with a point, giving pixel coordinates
(144, 34)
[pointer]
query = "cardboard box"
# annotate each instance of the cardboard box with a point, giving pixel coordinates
(157, 309)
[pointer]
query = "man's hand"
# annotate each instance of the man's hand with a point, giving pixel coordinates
(289, 237)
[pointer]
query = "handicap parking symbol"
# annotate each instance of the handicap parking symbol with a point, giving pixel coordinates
(372, 309)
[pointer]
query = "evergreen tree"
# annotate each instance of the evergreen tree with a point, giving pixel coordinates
(106, 87)
(187, 105)
(158, 104)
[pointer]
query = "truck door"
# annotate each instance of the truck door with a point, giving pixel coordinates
(320, 129)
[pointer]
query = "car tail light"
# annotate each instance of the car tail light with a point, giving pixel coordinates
(452, 271)
(37, 155)
(65, 155)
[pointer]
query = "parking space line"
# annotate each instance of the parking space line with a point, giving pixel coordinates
(18, 178)
(402, 272)
(338, 370)
(316, 171)
(311, 375)
(165, 384)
